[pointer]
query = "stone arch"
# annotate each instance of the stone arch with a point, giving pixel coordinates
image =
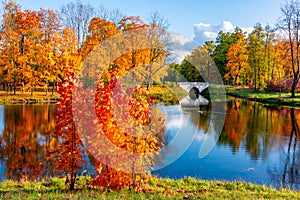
(194, 93)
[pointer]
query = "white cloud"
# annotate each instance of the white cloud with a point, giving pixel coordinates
(226, 26)
(179, 38)
(203, 26)
(205, 32)
(179, 55)
(182, 45)
(210, 35)
(174, 123)
(248, 30)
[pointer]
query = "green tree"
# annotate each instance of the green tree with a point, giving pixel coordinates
(223, 43)
(201, 60)
(270, 53)
(257, 60)
(190, 72)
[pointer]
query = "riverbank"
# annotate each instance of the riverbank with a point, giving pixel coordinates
(188, 188)
(269, 98)
(168, 95)
(27, 98)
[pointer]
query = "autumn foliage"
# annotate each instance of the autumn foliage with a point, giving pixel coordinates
(107, 107)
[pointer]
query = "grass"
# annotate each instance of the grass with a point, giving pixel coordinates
(270, 98)
(168, 95)
(26, 97)
(155, 188)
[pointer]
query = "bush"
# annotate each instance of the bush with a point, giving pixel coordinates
(282, 86)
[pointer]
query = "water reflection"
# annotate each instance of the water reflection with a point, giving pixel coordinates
(269, 134)
(258, 143)
(24, 140)
(192, 102)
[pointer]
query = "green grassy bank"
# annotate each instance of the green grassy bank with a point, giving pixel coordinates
(270, 98)
(154, 188)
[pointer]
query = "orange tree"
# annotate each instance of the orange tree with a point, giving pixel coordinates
(114, 120)
(121, 137)
(67, 153)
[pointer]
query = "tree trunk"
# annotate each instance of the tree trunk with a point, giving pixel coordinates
(53, 88)
(255, 75)
(149, 78)
(15, 86)
(23, 87)
(47, 87)
(294, 85)
(72, 183)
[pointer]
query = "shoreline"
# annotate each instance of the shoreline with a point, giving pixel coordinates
(267, 98)
(153, 188)
(162, 94)
(27, 98)
(158, 93)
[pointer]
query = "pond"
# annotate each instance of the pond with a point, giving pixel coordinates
(258, 143)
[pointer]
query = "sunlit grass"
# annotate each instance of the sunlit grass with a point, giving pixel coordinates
(271, 98)
(154, 188)
(168, 95)
(26, 97)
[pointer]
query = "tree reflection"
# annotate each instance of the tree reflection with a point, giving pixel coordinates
(252, 123)
(237, 120)
(200, 117)
(24, 140)
(255, 126)
(291, 170)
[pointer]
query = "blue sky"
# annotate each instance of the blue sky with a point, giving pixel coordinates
(184, 14)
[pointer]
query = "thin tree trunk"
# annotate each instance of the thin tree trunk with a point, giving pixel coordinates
(150, 77)
(294, 85)
(53, 87)
(47, 87)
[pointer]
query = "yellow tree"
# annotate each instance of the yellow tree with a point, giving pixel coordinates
(9, 46)
(156, 39)
(281, 71)
(48, 49)
(283, 61)
(69, 57)
(237, 63)
(29, 32)
(99, 29)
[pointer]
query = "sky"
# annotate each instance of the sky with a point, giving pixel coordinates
(184, 15)
(192, 22)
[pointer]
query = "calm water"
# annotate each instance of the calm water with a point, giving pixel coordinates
(257, 144)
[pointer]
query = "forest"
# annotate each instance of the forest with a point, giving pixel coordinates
(82, 52)
(37, 47)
